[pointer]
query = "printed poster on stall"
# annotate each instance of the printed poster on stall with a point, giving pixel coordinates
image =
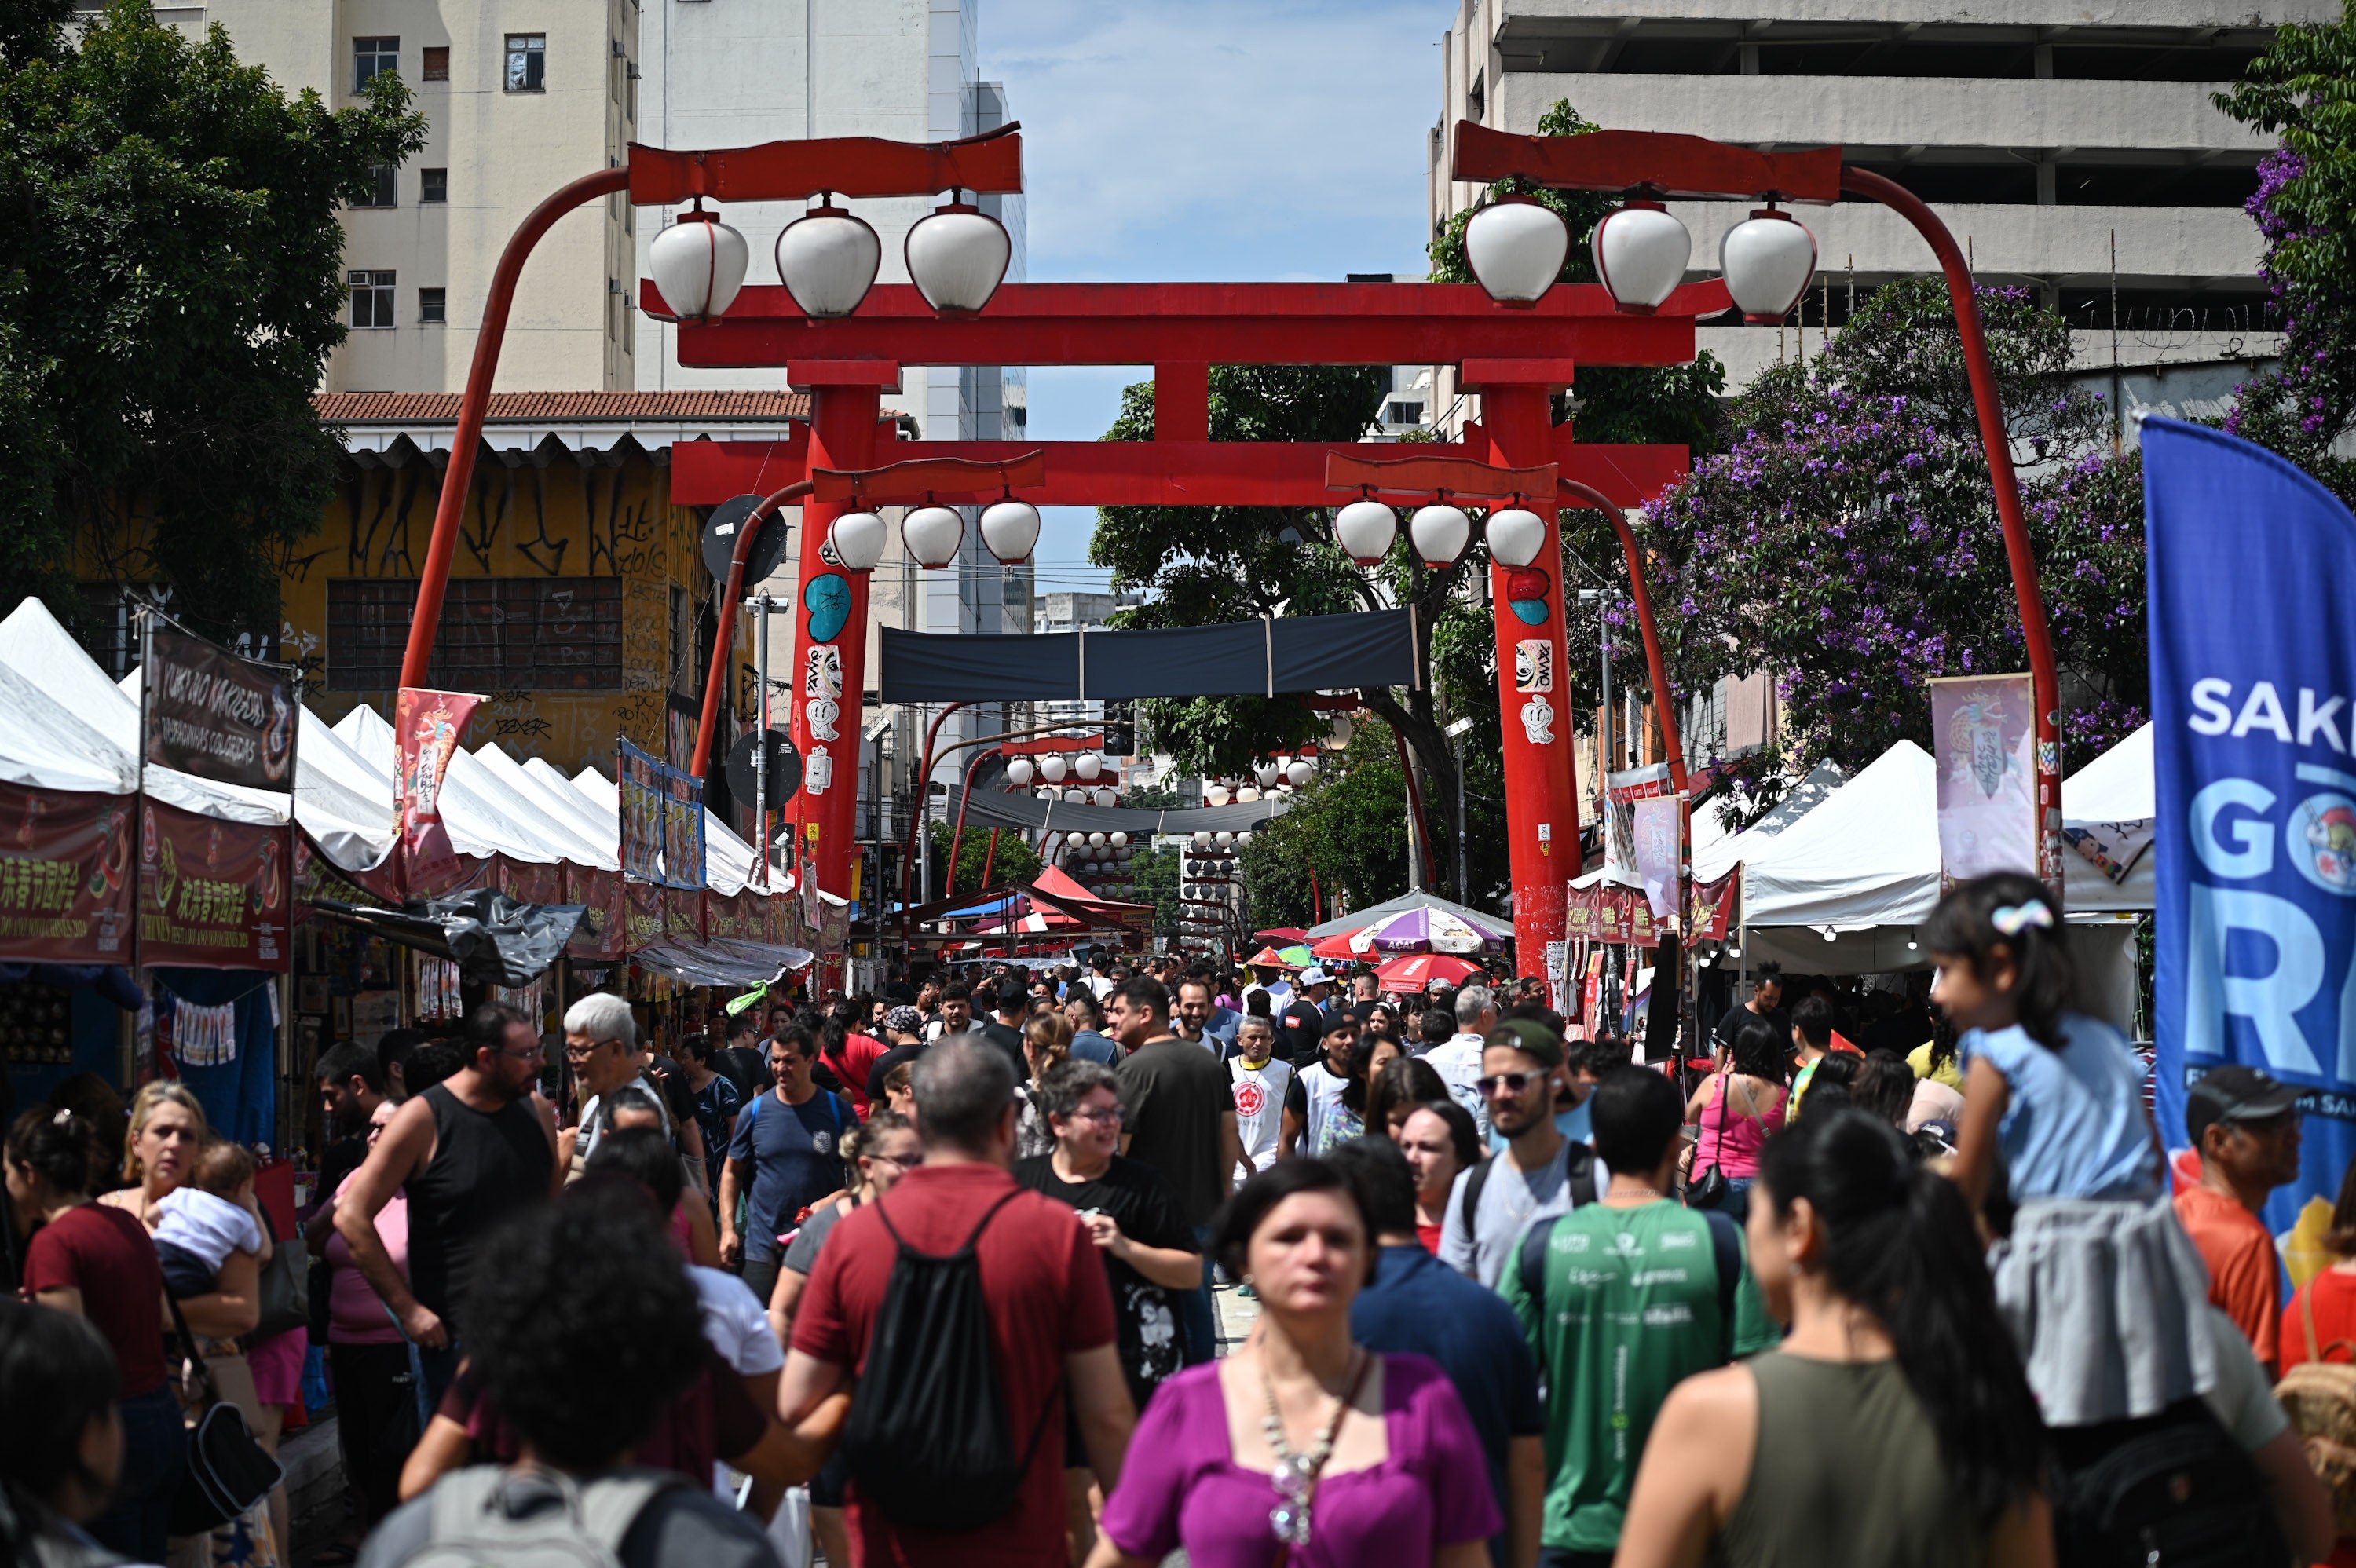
(65, 876)
(662, 820)
(212, 894)
(1659, 831)
(1983, 740)
(206, 711)
(427, 726)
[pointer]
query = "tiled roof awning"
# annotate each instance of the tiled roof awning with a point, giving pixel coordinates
(391, 425)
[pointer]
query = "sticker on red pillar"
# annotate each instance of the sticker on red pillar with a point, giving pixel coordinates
(1532, 665)
(1538, 721)
(818, 772)
(1526, 589)
(828, 600)
(823, 677)
(1545, 837)
(822, 713)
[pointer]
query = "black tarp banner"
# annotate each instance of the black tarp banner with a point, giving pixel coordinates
(208, 712)
(1289, 653)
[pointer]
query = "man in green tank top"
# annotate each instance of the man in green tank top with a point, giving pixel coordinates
(1619, 1299)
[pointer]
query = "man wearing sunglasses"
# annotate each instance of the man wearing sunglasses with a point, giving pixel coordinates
(1540, 1173)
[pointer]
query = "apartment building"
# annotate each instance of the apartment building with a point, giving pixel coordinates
(519, 96)
(2073, 150)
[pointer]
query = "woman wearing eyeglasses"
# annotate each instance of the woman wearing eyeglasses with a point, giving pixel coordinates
(1147, 1246)
(882, 1149)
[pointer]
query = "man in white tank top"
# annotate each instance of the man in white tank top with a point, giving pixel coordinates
(1260, 1083)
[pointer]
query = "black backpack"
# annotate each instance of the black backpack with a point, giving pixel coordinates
(1579, 1172)
(2176, 1491)
(928, 1441)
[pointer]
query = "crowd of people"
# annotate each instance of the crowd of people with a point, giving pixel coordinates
(932, 1278)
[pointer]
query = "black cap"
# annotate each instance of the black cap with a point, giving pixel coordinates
(2235, 1093)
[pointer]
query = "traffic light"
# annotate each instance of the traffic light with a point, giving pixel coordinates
(1119, 729)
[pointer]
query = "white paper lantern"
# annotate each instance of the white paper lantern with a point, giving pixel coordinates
(1640, 251)
(1098, 841)
(1123, 851)
(1440, 533)
(1201, 840)
(1366, 530)
(1106, 795)
(1075, 798)
(1264, 774)
(957, 257)
(1515, 248)
(1044, 793)
(1516, 535)
(1009, 530)
(1020, 772)
(827, 259)
(698, 265)
(1052, 767)
(1247, 796)
(933, 534)
(859, 538)
(1218, 795)
(1223, 840)
(1121, 840)
(1244, 836)
(1768, 259)
(1341, 732)
(1298, 774)
(1087, 764)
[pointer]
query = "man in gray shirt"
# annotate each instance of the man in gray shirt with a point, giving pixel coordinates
(1540, 1174)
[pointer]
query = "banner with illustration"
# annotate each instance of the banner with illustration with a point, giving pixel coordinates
(212, 894)
(1983, 739)
(662, 820)
(427, 727)
(2253, 673)
(206, 711)
(1622, 791)
(1711, 911)
(1660, 829)
(65, 876)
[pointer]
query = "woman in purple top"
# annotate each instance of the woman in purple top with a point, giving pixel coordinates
(1301, 1449)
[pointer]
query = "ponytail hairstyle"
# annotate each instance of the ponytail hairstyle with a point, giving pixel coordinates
(54, 1146)
(1898, 1243)
(2015, 914)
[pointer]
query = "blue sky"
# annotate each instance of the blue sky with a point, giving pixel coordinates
(1207, 140)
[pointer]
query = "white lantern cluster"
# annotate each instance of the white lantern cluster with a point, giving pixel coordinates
(1515, 248)
(933, 534)
(828, 258)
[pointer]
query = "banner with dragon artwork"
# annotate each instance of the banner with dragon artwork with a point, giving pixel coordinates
(65, 876)
(212, 894)
(1983, 739)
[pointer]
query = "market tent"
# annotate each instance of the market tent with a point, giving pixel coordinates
(1868, 857)
(1358, 920)
(2115, 795)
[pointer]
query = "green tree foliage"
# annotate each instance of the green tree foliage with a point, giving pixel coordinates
(1015, 860)
(1848, 538)
(2304, 91)
(170, 285)
(1345, 830)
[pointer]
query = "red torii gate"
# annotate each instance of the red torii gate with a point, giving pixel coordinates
(1513, 357)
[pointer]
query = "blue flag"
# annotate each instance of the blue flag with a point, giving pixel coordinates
(2252, 674)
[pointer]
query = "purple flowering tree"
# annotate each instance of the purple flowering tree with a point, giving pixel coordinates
(2304, 90)
(1847, 539)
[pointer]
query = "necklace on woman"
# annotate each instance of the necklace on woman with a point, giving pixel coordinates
(1296, 1473)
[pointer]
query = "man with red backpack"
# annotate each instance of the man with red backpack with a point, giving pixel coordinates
(966, 1314)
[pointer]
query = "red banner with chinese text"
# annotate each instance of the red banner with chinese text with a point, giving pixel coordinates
(642, 915)
(427, 726)
(65, 876)
(1714, 904)
(683, 913)
(212, 894)
(600, 935)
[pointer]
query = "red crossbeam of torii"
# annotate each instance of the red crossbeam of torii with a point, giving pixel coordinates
(1514, 358)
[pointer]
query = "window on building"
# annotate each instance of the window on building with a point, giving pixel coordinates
(370, 56)
(431, 307)
(438, 63)
(534, 634)
(384, 186)
(434, 185)
(527, 61)
(1403, 413)
(371, 299)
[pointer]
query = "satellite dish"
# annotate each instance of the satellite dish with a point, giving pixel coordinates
(782, 761)
(720, 541)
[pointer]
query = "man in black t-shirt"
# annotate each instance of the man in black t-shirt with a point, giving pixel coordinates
(1765, 1004)
(1149, 1250)
(1179, 1112)
(739, 1059)
(1005, 1030)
